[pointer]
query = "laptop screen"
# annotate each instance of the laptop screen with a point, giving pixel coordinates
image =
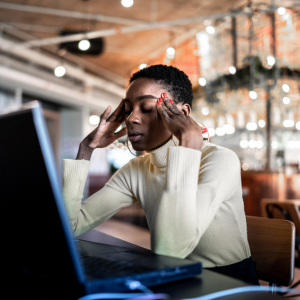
(35, 234)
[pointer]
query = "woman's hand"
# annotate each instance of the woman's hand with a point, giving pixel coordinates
(188, 132)
(104, 134)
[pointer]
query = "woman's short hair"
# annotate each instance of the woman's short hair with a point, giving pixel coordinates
(175, 82)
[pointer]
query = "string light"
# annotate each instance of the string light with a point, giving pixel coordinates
(298, 125)
(286, 100)
(202, 81)
(244, 144)
(274, 145)
(288, 123)
(170, 52)
(59, 71)
(245, 167)
(127, 3)
(210, 29)
(251, 126)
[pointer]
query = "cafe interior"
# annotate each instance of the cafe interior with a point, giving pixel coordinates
(76, 58)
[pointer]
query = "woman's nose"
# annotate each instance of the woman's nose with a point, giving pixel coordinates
(134, 117)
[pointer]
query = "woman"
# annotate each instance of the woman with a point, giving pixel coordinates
(190, 191)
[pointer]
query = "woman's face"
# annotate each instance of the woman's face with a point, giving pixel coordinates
(146, 129)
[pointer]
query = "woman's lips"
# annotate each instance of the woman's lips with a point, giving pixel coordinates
(135, 138)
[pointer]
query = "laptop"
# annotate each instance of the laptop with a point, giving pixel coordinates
(38, 254)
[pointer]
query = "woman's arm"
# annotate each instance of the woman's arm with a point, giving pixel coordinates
(85, 215)
(102, 205)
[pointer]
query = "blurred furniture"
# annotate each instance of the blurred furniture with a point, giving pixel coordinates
(286, 210)
(268, 185)
(272, 244)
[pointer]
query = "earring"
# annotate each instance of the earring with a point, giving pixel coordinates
(128, 147)
(204, 127)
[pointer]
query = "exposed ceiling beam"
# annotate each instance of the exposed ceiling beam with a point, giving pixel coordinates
(69, 56)
(75, 14)
(130, 29)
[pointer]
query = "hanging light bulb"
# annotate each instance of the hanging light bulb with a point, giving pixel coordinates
(252, 125)
(270, 61)
(142, 66)
(202, 81)
(60, 71)
(84, 45)
(232, 70)
(261, 123)
(281, 11)
(244, 141)
(274, 145)
(94, 120)
(286, 100)
(253, 95)
(298, 125)
(229, 126)
(285, 88)
(289, 121)
(170, 52)
(210, 29)
(205, 111)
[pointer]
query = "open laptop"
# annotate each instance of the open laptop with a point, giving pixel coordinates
(38, 255)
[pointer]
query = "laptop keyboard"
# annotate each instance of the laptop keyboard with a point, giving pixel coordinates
(103, 268)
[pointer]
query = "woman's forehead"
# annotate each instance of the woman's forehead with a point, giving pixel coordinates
(144, 86)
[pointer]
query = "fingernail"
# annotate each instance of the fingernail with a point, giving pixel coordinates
(204, 130)
(160, 100)
(171, 101)
(165, 95)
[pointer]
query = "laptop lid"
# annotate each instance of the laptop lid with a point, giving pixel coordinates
(35, 232)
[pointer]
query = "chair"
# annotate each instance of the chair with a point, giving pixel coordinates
(287, 210)
(272, 244)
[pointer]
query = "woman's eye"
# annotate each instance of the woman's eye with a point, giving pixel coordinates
(145, 110)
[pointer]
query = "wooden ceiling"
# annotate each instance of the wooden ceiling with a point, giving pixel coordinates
(123, 52)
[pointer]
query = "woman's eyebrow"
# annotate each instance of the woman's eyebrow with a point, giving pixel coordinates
(142, 97)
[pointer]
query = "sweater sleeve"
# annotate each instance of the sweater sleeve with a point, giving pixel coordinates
(192, 197)
(85, 215)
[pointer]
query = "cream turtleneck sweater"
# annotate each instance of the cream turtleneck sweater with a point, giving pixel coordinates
(192, 200)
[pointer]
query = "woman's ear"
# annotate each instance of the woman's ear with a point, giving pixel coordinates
(186, 109)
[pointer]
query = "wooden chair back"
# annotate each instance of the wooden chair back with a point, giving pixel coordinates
(289, 206)
(272, 245)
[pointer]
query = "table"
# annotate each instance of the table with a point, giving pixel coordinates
(206, 283)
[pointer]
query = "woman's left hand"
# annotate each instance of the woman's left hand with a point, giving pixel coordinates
(188, 132)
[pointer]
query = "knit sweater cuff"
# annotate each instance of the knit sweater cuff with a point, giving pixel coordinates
(75, 173)
(183, 168)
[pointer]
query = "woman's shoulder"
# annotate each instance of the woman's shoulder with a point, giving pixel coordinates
(217, 152)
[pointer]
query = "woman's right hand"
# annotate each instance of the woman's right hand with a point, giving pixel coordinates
(104, 134)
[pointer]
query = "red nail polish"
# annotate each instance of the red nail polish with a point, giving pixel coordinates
(171, 101)
(165, 95)
(160, 100)
(204, 130)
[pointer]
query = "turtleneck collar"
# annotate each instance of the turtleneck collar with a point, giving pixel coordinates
(158, 156)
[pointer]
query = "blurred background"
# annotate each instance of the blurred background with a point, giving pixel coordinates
(242, 56)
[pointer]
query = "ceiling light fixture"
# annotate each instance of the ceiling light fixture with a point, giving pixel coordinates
(84, 45)
(59, 71)
(127, 3)
(142, 66)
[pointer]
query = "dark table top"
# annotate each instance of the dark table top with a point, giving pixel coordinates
(206, 283)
